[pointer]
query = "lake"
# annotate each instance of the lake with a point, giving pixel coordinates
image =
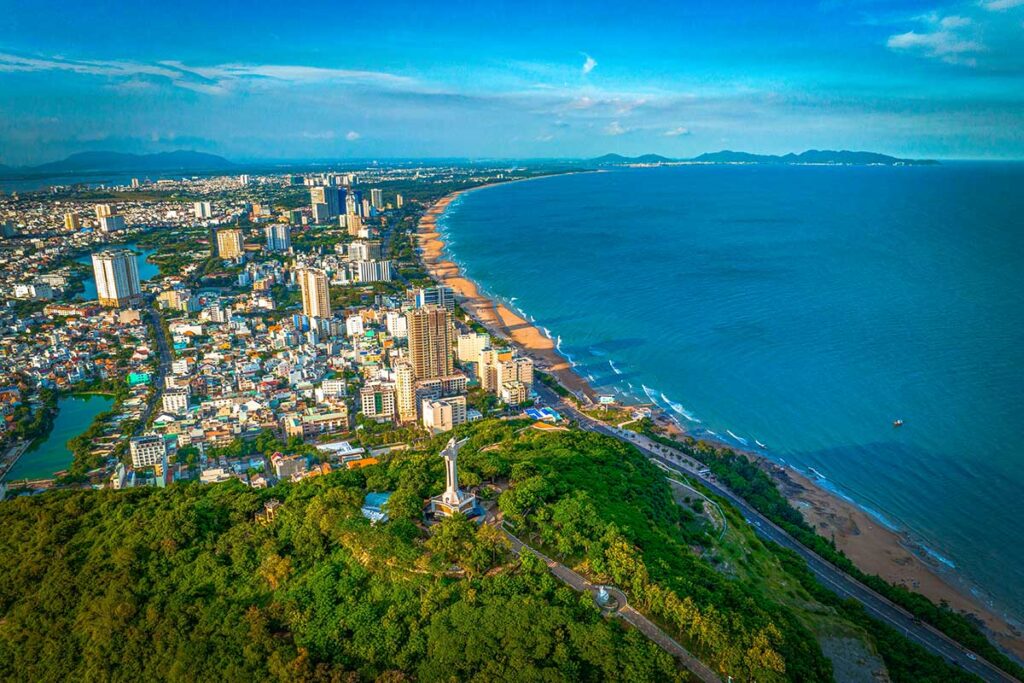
(75, 414)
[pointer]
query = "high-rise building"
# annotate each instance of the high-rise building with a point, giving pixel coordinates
(103, 210)
(279, 237)
(430, 341)
(364, 250)
(321, 214)
(469, 346)
(135, 183)
(316, 295)
(72, 221)
(111, 223)
(175, 401)
(399, 201)
(243, 179)
(405, 390)
(371, 271)
(377, 199)
(331, 196)
(202, 209)
(229, 243)
(353, 224)
(438, 296)
(117, 278)
(377, 400)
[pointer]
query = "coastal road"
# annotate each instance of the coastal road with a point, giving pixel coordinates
(622, 610)
(827, 573)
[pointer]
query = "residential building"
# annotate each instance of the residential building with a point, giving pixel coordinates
(469, 346)
(316, 296)
(331, 197)
(441, 415)
(371, 271)
(434, 296)
(229, 243)
(364, 250)
(117, 278)
(377, 199)
(430, 341)
(72, 222)
(354, 326)
(279, 237)
(377, 400)
(113, 223)
(175, 401)
(202, 210)
(147, 450)
(396, 325)
(405, 390)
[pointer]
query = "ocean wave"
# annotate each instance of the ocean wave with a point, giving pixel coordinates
(678, 407)
(546, 332)
(817, 474)
(652, 396)
(738, 438)
(614, 369)
(936, 556)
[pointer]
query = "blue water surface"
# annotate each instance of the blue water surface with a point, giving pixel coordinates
(804, 308)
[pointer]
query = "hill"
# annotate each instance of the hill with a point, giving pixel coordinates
(183, 582)
(119, 162)
(811, 156)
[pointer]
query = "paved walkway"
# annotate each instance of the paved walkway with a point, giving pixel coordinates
(624, 611)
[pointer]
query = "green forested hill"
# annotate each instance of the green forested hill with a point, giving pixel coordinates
(181, 583)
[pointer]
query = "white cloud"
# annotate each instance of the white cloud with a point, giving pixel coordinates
(547, 137)
(352, 136)
(677, 132)
(1000, 5)
(944, 38)
(615, 128)
(212, 80)
(588, 64)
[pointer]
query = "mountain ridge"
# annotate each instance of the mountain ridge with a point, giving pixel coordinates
(810, 156)
(106, 161)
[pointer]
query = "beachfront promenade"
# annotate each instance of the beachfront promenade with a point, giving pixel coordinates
(826, 573)
(622, 610)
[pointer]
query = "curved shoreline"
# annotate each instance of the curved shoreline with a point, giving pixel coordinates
(870, 544)
(500, 320)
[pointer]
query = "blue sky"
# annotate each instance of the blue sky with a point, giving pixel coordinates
(423, 79)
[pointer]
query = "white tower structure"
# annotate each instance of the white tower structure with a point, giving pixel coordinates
(453, 499)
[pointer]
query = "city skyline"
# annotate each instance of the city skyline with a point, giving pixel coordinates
(911, 79)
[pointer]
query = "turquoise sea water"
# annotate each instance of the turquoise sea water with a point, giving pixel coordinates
(74, 415)
(805, 308)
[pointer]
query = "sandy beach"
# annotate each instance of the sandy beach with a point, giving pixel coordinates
(499, 319)
(874, 548)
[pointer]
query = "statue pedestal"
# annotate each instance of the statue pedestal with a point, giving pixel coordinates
(465, 503)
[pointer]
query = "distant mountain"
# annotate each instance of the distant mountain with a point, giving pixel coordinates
(119, 162)
(611, 159)
(811, 156)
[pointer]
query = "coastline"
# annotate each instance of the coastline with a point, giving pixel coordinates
(873, 547)
(496, 317)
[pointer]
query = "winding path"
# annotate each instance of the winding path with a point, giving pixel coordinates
(623, 610)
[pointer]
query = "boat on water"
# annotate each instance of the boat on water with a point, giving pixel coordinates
(897, 423)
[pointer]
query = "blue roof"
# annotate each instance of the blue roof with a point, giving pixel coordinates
(376, 500)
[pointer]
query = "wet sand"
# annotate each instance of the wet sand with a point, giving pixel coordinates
(874, 548)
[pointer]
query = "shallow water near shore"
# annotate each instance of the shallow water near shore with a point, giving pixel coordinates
(802, 308)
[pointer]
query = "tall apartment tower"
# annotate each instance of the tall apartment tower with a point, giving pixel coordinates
(377, 198)
(405, 388)
(279, 237)
(316, 296)
(103, 210)
(117, 278)
(430, 341)
(330, 196)
(229, 243)
(202, 210)
(72, 222)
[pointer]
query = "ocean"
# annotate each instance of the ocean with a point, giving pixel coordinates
(805, 308)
